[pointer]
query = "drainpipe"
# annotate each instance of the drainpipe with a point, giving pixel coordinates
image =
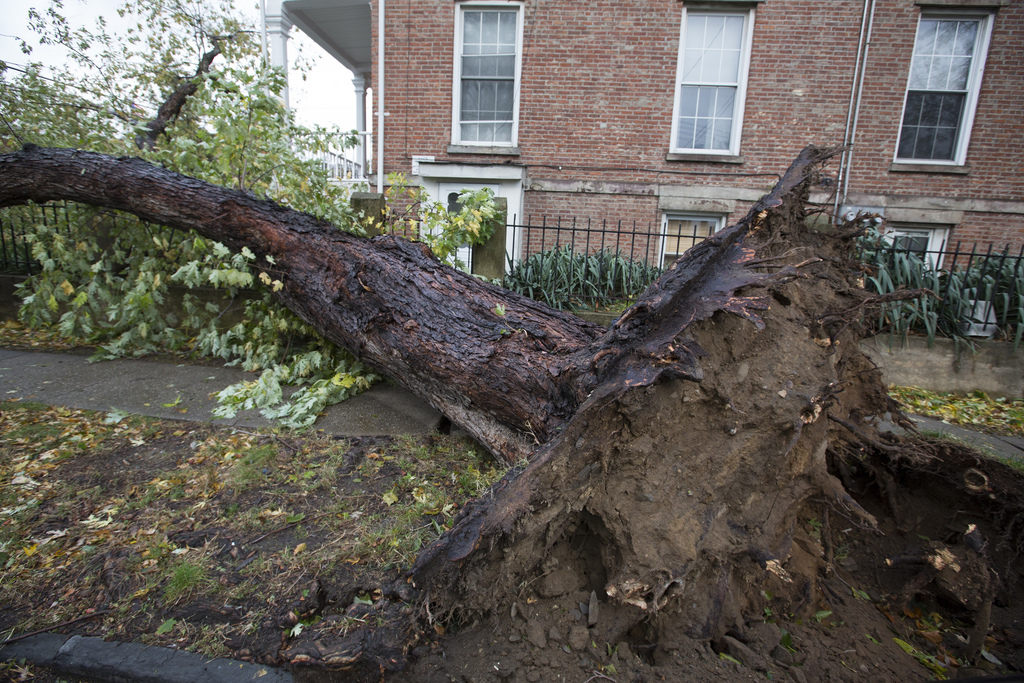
(853, 110)
(263, 33)
(379, 96)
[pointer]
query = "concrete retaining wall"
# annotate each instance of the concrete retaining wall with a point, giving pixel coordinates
(995, 368)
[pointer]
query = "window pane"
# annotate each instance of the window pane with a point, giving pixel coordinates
(683, 233)
(507, 31)
(720, 138)
(470, 97)
(711, 66)
(966, 34)
(940, 74)
(919, 72)
(959, 71)
(926, 31)
(946, 37)
(695, 27)
(734, 33)
(723, 106)
(489, 31)
(692, 59)
(714, 35)
(471, 33)
(685, 132)
(730, 72)
(706, 101)
(911, 241)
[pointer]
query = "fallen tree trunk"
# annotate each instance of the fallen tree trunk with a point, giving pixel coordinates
(671, 454)
(433, 329)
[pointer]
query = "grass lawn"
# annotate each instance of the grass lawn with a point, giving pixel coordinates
(208, 538)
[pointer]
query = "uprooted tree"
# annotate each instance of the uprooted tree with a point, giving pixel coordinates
(668, 456)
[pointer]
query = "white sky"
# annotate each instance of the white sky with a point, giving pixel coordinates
(325, 98)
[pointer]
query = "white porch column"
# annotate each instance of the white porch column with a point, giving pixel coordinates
(278, 26)
(359, 83)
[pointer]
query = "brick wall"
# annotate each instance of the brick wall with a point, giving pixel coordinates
(597, 97)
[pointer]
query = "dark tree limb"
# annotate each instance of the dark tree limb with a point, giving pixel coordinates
(171, 107)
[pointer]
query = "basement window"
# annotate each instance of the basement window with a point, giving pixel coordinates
(679, 232)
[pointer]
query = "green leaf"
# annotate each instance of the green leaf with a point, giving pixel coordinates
(166, 627)
(822, 614)
(294, 519)
(729, 658)
(390, 498)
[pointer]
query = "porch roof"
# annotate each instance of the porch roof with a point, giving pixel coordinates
(341, 27)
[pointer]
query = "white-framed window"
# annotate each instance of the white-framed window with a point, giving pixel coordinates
(942, 88)
(711, 81)
(488, 62)
(927, 241)
(679, 232)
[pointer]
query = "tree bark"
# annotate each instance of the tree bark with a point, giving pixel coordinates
(433, 329)
(671, 455)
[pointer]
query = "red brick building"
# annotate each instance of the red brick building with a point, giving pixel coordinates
(678, 114)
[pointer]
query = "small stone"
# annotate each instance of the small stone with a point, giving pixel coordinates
(554, 635)
(864, 668)
(514, 638)
(535, 634)
(797, 675)
(782, 656)
(579, 636)
(743, 653)
(625, 651)
(533, 676)
(592, 612)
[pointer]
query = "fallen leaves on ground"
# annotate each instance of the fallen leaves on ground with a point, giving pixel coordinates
(207, 538)
(974, 411)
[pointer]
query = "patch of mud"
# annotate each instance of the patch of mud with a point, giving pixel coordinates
(869, 617)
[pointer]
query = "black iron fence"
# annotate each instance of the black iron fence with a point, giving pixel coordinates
(975, 291)
(585, 264)
(577, 264)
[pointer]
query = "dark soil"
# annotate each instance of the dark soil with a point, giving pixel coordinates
(851, 634)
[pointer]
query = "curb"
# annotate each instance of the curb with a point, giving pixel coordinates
(116, 662)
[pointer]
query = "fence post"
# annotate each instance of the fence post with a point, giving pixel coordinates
(373, 207)
(489, 257)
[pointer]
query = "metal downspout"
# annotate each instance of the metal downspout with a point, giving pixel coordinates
(379, 96)
(856, 109)
(849, 111)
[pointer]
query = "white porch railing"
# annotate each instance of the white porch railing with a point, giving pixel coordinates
(349, 165)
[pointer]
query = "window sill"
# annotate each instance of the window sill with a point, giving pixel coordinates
(707, 158)
(483, 149)
(965, 3)
(928, 168)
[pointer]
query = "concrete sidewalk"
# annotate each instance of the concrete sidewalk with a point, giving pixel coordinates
(1006, 447)
(184, 392)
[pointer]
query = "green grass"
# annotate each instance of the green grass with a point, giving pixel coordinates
(186, 577)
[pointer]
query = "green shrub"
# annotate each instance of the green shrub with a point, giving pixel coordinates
(972, 290)
(563, 278)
